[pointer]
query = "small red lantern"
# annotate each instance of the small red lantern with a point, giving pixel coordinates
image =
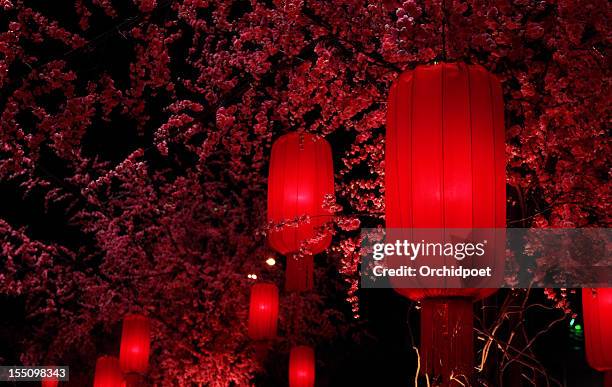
(49, 382)
(302, 367)
(301, 175)
(444, 169)
(135, 344)
(108, 372)
(263, 311)
(597, 310)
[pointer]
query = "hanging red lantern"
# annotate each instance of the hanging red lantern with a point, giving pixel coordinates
(49, 382)
(597, 310)
(135, 344)
(108, 372)
(445, 169)
(301, 175)
(263, 311)
(302, 367)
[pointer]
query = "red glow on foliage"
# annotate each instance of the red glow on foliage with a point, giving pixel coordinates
(302, 367)
(135, 343)
(263, 311)
(108, 372)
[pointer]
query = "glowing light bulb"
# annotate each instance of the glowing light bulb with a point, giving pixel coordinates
(271, 261)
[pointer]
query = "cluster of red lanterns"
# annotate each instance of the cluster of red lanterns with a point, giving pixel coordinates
(133, 358)
(444, 168)
(262, 325)
(300, 180)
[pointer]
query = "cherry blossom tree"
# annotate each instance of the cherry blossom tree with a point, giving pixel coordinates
(145, 127)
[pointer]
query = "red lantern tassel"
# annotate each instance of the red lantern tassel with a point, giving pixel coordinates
(299, 272)
(447, 340)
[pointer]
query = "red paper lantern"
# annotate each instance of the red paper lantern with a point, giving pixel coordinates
(301, 175)
(135, 344)
(49, 382)
(445, 168)
(597, 310)
(302, 367)
(108, 372)
(263, 311)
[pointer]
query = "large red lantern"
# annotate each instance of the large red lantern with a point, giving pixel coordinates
(108, 372)
(302, 367)
(444, 169)
(263, 311)
(135, 344)
(301, 175)
(597, 310)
